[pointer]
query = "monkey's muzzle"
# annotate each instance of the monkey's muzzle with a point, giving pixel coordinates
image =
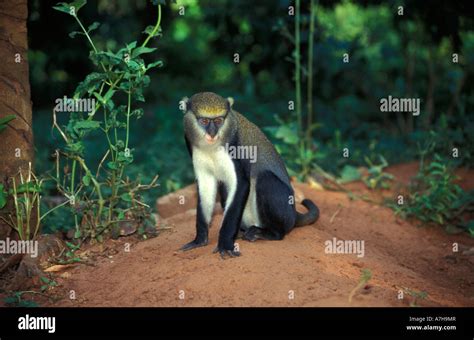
(211, 140)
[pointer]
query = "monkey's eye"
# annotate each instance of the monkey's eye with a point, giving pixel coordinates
(219, 121)
(204, 121)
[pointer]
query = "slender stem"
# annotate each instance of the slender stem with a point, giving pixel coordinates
(96, 185)
(155, 29)
(17, 211)
(86, 33)
(310, 75)
(73, 175)
(53, 209)
(38, 214)
(27, 206)
(90, 40)
(128, 118)
(298, 66)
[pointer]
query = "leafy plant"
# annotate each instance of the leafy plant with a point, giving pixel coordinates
(377, 178)
(415, 296)
(365, 276)
(300, 160)
(26, 217)
(69, 255)
(349, 174)
(100, 199)
(16, 300)
(434, 197)
(47, 283)
(297, 136)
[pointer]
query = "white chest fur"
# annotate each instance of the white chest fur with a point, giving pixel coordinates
(212, 165)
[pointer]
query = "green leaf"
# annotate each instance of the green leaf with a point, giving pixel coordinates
(105, 57)
(158, 63)
(70, 8)
(27, 187)
(86, 180)
(108, 95)
(132, 45)
(3, 196)
(86, 125)
(75, 148)
(349, 174)
(133, 65)
(73, 34)
(142, 50)
(77, 233)
(90, 84)
(112, 165)
(287, 134)
(5, 120)
(126, 197)
(93, 26)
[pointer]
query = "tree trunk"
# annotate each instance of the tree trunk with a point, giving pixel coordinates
(16, 141)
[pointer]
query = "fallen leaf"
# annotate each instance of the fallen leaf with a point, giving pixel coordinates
(58, 267)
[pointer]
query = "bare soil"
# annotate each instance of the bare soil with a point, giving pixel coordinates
(400, 255)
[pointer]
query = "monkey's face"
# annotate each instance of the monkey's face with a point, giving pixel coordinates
(211, 127)
(209, 112)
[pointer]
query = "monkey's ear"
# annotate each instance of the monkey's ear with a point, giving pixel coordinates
(184, 104)
(230, 101)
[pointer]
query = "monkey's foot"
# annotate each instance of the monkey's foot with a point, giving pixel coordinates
(193, 244)
(252, 234)
(226, 253)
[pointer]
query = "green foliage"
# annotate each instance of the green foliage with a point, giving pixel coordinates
(69, 255)
(26, 196)
(5, 120)
(300, 160)
(16, 300)
(434, 198)
(415, 296)
(3, 196)
(377, 178)
(101, 199)
(365, 276)
(47, 283)
(387, 57)
(349, 174)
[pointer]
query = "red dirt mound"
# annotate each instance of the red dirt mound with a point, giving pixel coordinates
(294, 272)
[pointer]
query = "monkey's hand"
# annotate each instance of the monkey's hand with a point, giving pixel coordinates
(194, 244)
(226, 253)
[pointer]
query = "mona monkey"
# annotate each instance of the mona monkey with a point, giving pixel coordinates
(256, 194)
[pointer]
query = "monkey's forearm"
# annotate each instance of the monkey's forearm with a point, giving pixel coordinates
(233, 216)
(202, 225)
(202, 229)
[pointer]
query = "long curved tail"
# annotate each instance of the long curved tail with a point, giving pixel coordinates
(310, 217)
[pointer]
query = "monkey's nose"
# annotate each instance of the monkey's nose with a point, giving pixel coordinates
(211, 139)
